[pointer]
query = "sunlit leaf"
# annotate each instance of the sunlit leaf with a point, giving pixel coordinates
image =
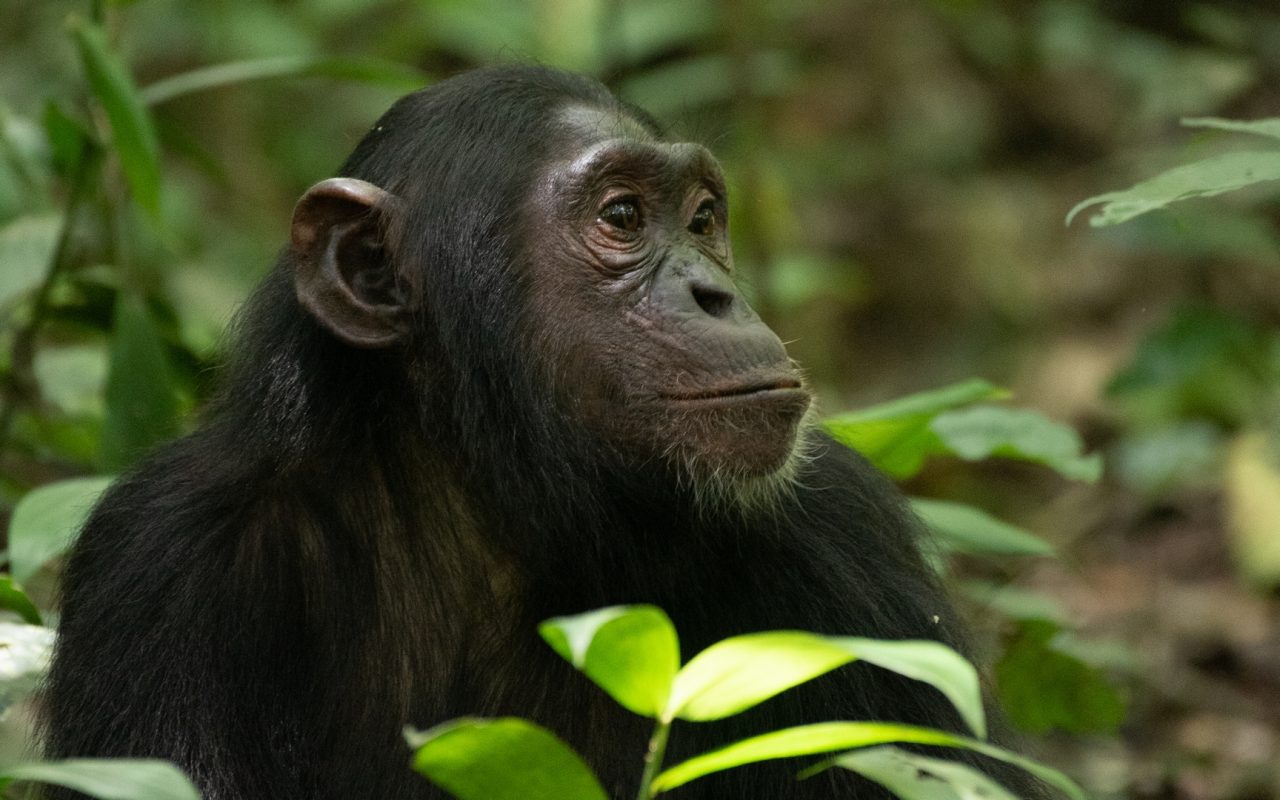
(743, 671)
(219, 75)
(13, 598)
(502, 759)
(984, 431)
(1260, 127)
(115, 779)
(630, 651)
(1212, 176)
(25, 651)
(919, 777)
(26, 249)
(142, 400)
(46, 519)
(895, 436)
(133, 136)
(966, 529)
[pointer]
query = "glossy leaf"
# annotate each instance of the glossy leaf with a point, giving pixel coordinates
(984, 431)
(896, 436)
(828, 737)
(46, 519)
(502, 759)
(116, 779)
(133, 135)
(1211, 176)
(142, 401)
(13, 598)
(965, 529)
(743, 671)
(918, 777)
(630, 651)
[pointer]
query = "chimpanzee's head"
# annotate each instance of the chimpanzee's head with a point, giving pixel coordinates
(545, 259)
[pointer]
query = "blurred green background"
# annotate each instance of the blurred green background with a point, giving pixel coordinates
(900, 176)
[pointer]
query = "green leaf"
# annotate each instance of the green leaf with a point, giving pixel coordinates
(132, 131)
(67, 136)
(142, 400)
(743, 671)
(367, 70)
(896, 436)
(26, 250)
(917, 777)
(1211, 176)
(1042, 687)
(984, 431)
(1013, 602)
(826, 737)
(27, 650)
(13, 598)
(1260, 127)
(965, 529)
(502, 759)
(116, 779)
(630, 651)
(46, 519)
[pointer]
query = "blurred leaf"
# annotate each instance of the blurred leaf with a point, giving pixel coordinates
(13, 598)
(799, 278)
(133, 136)
(72, 378)
(1013, 602)
(896, 436)
(24, 659)
(1156, 462)
(142, 403)
(1259, 127)
(920, 777)
(114, 779)
(367, 70)
(1252, 484)
(630, 651)
(26, 250)
(502, 759)
(650, 28)
(1212, 176)
(743, 671)
(705, 79)
(484, 30)
(965, 529)
(67, 137)
(1042, 688)
(984, 431)
(47, 518)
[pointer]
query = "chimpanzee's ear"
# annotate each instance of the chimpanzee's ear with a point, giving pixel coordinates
(344, 275)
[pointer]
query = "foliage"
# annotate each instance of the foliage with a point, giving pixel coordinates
(482, 759)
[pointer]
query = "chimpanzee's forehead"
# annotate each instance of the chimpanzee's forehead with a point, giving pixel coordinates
(592, 124)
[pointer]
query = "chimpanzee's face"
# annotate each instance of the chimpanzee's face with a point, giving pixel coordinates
(640, 327)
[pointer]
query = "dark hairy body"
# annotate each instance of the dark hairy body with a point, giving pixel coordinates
(500, 374)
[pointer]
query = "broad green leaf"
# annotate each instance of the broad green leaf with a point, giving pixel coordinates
(743, 671)
(13, 598)
(142, 400)
(47, 518)
(1042, 687)
(896, 436)
(827, 737)
(965, 529)
(929, 662)
(1261, 127)
(133, 134)
(630, 651)
(256, 69)
(26, 250)
(115, 779)
(984, 431)
(1211, 176)
(918, 777)
(502, 759)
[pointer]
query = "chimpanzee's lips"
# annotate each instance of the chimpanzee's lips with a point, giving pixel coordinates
(781, 388)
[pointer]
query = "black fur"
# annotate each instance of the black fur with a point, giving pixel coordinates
(360, 539)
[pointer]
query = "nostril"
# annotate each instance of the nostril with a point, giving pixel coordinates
(711, 299)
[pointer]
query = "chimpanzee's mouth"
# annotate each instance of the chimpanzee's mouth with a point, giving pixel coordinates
(774, 388)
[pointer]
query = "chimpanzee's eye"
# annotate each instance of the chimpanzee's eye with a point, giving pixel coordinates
(704, 220)
(623, 215)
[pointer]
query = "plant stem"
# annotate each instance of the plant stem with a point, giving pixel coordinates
(653, 759)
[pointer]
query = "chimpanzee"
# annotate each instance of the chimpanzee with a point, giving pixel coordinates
(501, 373)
